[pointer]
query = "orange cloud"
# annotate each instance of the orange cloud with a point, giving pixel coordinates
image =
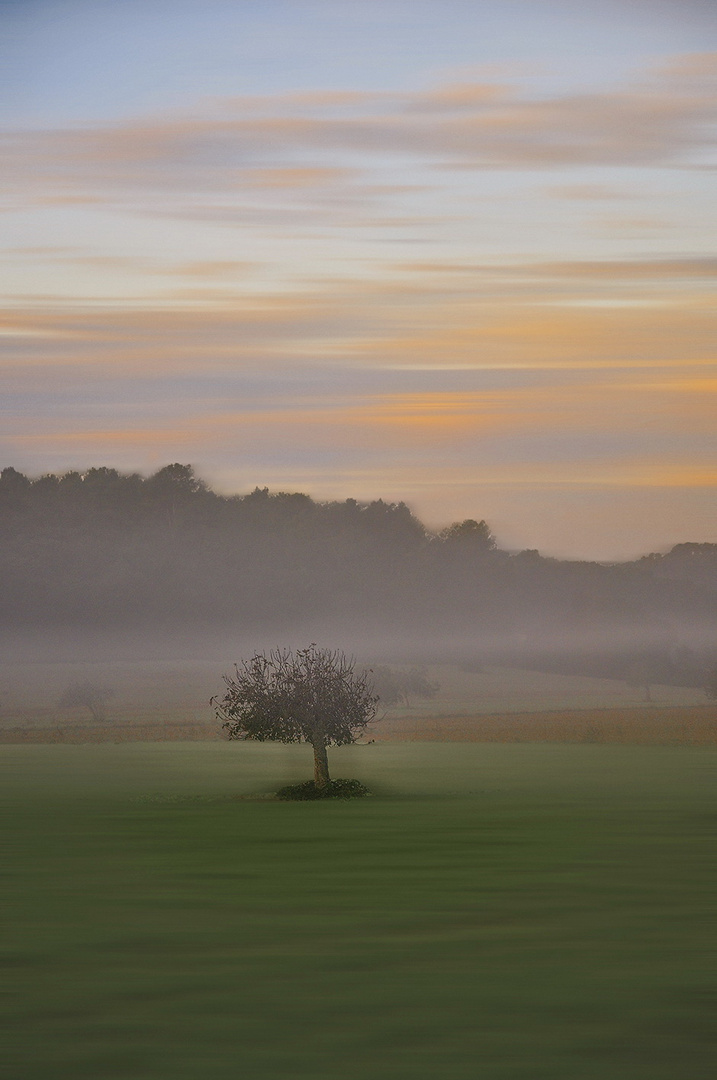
(548, 316)
(296, 177)
(698, 66)
(458, 97)
(104, 441)
(686, 268)
(536, 336)
(685, 385)
(212, 268)
(668, 270)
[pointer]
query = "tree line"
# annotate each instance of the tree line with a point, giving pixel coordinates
(105, 550)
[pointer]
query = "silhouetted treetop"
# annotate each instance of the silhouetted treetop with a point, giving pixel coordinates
(469, 534)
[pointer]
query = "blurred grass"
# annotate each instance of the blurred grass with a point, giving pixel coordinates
(495, 911)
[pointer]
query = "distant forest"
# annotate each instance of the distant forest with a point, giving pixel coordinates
(104, 553)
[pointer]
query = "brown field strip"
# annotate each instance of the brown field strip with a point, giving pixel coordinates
(679, 725)
(668, 726)
(155, 731)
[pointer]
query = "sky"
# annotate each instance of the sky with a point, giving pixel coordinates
(457, 253)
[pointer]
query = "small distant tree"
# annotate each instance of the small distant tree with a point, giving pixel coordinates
(417, 684)
(641, 674)
(311, 695)
(87, 695)
(393, 686)
(386, 685)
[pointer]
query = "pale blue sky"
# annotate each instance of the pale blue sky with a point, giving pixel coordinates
(70, 61)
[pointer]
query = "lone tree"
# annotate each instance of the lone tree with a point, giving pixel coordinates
(87, 695)
(312, 695)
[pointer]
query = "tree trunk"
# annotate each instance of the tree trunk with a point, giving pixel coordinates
(321, 764)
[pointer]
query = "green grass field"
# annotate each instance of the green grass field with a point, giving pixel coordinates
(532, 912)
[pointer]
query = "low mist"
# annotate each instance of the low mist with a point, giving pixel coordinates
(108, 578)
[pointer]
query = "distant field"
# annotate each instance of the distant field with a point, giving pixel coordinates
(175, 691)
(523, 912)
(696, 726)
(170, 700)
(518, 690)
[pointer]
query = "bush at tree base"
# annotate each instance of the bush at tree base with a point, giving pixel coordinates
(335, 789)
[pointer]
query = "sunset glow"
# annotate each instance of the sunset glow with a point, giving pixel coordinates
(461, 255)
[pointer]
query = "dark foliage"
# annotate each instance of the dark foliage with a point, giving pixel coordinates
(292, 697)
(335, 789)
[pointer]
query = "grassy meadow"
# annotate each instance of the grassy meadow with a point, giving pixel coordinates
(532, 912)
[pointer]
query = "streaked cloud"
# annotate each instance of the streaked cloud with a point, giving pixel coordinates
(459, 97)
(589, 192)
(296, 177)
(688, 268)
(662, 117)
(572, 315)
(212, 268)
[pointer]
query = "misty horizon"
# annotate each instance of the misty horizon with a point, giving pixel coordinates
(103, 563)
